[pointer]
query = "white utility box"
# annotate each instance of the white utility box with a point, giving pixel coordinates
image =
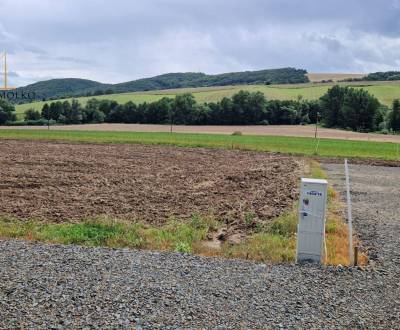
(311, 227)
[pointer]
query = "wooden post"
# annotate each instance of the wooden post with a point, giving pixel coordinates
(356, 255)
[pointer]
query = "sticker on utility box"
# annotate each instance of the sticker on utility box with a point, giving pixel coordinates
(305, 209)
(314, 193)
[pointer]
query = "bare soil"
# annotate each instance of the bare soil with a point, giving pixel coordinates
(60, 182)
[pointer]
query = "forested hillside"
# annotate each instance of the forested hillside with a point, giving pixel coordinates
(57, 88)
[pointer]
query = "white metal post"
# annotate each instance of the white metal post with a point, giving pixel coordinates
(349, 212)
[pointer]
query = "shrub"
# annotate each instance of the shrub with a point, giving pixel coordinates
(183, 247)
(32, 114)
(6, 112)
(40, 122)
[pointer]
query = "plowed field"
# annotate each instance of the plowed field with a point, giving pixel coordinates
(60, 182)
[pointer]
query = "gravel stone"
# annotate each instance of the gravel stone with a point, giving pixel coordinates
(71, 287)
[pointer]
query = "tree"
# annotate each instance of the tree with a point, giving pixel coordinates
(91, 112)
(314, 109)
(359, 110)
(130, 113)
(75, 115)
(331, 106)
(248, 108)
(66, 108)
(159, 112)
(184, 109)
(92, 116)
(46, 111)
(214, 113)
(226, 113)
(92, 104)
(394, 117)
(241, 104)
(55, 110)
(203, 114)
(117, 115)
(106, 106)
(6, 112)
(381, 120)
(350, 108)
(288, 115)
(32, 114)
(282, 112)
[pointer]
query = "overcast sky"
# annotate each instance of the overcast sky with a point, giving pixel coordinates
(117, 41)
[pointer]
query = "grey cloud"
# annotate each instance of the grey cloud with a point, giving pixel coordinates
(10, 74)
(124, 40)
(331, 44)
(34, 49)
(13, 74)
(66, 59)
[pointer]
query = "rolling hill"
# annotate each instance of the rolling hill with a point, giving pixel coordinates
(57, 88)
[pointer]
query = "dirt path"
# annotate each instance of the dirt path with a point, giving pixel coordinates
(44, 286)
(375, 193)
(277, 130)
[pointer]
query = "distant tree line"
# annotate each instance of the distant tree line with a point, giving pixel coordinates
(377, 76)
(340, 107)
(243, 108)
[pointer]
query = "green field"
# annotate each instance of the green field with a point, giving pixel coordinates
(288, 145)
(386, 92)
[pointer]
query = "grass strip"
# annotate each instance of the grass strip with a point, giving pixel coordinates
(281, 144)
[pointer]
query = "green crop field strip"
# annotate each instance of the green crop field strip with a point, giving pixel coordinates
(386, 92)
(282, 144)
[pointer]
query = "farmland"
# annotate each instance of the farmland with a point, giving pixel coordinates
(157, 197)
(220, 196)
(147, 183)
(283, 144)
(386, 92)
(317, 77)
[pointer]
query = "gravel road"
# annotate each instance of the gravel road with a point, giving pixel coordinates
(70, 287)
